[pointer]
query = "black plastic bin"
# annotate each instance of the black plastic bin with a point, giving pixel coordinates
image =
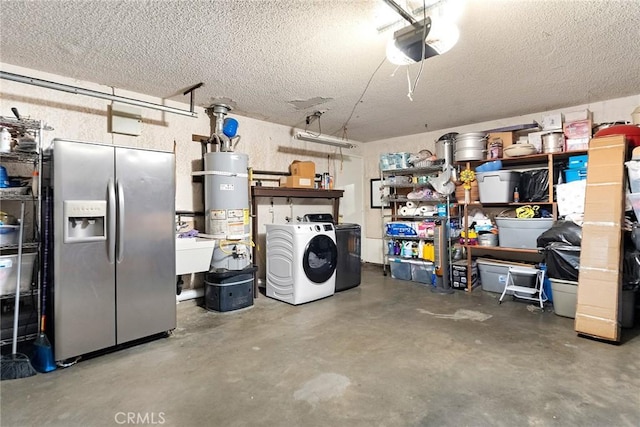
(229, 290)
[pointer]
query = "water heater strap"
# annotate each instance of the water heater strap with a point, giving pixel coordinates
(220, 173)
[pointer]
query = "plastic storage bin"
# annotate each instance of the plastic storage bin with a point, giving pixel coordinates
(521, 232)
(421, 273)
(564, 297)
(9, 273)
(400, 270)
(9, 234)
(578, 162)
(633, 171)
(493, 276)
(230, 290)
(634, 199)
(577, 174)
(497, 186)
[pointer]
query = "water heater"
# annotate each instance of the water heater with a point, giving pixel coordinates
(227, 209)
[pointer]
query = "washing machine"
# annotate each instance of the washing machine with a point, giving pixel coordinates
(301, 261)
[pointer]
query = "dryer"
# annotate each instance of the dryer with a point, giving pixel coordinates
(301, 261)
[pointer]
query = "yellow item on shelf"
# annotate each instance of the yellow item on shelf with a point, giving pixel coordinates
(429, 252)
(527, 211)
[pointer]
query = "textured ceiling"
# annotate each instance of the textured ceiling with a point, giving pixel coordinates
(280, 60)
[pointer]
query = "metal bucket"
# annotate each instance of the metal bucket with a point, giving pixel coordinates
(466, 155)
(480, 135)
(471, 143)
(553, 142)
(488, 239)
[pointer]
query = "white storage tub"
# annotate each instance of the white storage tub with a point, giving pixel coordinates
(633, 172)
(497, 186)
(9, 273)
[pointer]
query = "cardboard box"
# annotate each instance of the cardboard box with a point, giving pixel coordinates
(578, 129)
(296, 182)
(552, 121)
(574, 116)
(599, 282)
(576, 144)
(535, 139)
(460, 275)
(305, 169)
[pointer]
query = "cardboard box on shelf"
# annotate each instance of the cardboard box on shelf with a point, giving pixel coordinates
(576, 144)
(578, 129)
(574, 116)
(552, 121)
(305, 169)
(535, 139)
(599, 282)
(296, 182)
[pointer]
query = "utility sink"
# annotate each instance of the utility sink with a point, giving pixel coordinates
(193, 254)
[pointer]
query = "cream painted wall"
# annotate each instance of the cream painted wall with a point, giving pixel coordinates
(269, 146)
(607, 111)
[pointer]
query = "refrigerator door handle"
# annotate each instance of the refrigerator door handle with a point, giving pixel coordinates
(111, 242)
(120, 222)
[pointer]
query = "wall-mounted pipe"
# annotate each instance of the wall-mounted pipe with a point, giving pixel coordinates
(95, 94)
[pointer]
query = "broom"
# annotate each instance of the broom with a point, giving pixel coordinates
(42, 352)
(17, 365)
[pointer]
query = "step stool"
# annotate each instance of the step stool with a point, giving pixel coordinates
(529, 293)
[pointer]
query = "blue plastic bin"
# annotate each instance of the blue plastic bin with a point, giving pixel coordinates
(571, 175)
(578, 162)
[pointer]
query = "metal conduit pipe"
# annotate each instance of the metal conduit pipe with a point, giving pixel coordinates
(93, 93)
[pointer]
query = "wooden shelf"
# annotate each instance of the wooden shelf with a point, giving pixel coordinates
(308, 193)
(283, 192)
(416, 217)
(502, 249)
(511, 204)
(550, 162)
(531, 159)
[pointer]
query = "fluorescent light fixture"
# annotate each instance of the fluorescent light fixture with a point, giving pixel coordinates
(325, 140)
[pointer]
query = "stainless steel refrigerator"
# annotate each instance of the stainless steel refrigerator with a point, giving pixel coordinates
(113, 245)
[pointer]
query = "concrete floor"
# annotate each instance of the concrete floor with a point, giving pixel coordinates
(384, 354)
